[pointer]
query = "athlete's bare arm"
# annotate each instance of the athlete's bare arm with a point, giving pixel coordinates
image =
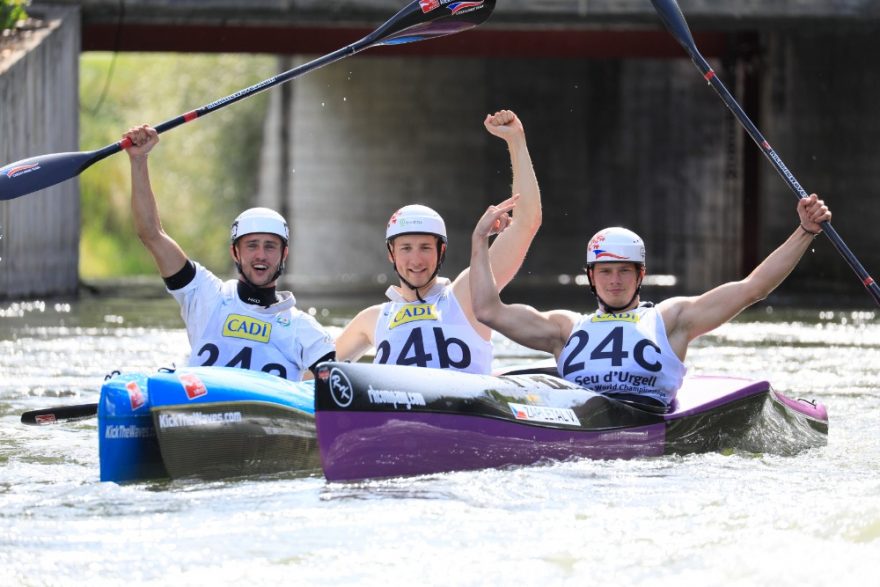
(168, 255)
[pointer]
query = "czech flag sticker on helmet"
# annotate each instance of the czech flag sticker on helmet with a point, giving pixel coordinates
(615, 245)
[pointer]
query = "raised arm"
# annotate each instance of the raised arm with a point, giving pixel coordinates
(523, 324)
(168, 255)
(509, 249)
(688, 318)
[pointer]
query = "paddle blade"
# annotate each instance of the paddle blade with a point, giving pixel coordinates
(59, 414)
(673, 19)
(428, 19)
(30, 175)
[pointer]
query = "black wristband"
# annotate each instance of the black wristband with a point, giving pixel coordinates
(815, 234)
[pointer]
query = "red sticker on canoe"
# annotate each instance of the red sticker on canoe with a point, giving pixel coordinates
(135, 395)
(192, 385)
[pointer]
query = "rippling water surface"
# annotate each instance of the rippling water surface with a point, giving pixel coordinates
(741, 519)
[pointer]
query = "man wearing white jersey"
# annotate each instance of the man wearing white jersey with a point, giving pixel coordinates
(428, 321)
(241, 323)
(629, 349)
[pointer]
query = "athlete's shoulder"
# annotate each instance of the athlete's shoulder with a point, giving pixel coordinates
(202, 288)
(565, 319)
(367, 318)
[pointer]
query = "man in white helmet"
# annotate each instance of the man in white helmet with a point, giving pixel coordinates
(629, 349)
(241, 323)
(428, 321)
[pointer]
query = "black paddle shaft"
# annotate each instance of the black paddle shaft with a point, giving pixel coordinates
(417, 21)
(410, 17)
(250, 91)
(674, 21)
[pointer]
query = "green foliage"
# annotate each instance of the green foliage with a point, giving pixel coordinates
(203, 173)
(12, 11)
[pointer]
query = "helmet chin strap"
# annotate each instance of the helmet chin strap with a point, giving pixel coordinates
(413, 287)
(614, 309)
(250, 283)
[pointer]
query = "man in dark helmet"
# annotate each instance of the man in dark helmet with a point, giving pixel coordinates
(630, 349)
(241, 323)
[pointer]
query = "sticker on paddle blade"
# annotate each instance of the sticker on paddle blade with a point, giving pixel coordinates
(19, 170)
(464, 7)
(43, 419)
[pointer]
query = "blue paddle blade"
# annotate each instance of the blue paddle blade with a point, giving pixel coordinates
(427, 19)
(672, 17)
(37, 173)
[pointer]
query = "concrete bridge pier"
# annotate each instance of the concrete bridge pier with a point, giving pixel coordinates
(39, 233)
(614, 142)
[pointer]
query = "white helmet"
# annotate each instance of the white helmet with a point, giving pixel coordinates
(615, 244)
(415, 219)
(260, 220)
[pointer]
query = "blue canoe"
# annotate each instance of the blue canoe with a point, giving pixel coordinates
(208, 422)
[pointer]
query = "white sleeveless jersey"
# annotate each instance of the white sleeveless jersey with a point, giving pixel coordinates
(225, 331)
(627, 352)
(433, 334)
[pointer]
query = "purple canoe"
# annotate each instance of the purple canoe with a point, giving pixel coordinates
(386, 421)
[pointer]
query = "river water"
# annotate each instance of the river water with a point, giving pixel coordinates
(716, 519)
